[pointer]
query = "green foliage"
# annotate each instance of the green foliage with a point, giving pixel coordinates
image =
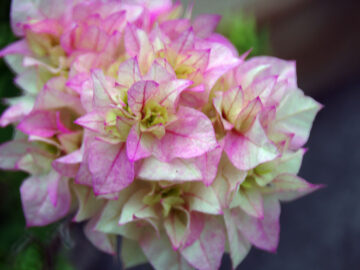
(7, 87)
(63, 263)
(242, 31)
(29, 259)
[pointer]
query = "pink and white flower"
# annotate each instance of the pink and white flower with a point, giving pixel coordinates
(150, 126)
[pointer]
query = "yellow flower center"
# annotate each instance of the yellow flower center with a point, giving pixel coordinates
(183, 71)
(153, 114)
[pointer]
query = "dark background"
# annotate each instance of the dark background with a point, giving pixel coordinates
(321, 231)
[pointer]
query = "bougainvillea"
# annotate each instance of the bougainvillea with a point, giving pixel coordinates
(146, 124)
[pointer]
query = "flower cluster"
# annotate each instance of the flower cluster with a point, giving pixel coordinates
(147, 124)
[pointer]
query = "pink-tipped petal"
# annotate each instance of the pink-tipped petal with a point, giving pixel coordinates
(184, 42)
(94, 121)
(40, 123)
(18, 47)
(190, 136)
(18, 111)
(289, 187)
(160, 71)
(134, 146)
(205, 25)
(129, 72)
(139, 93)
(251, 149)
(208, 164)
(42, 205)
(262, 233)
(169, 93)
(176, 226)
(68, 165)
(296, 114)
(206, 253)
(102, 96)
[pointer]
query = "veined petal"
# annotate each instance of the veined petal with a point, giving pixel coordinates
(206, 253)
(268, 66)
(261, 88)
(134, 146)
(184, 42)
(196, 59)
(288, 187)
(137, 44)
(295, 115)
(232, 103)
(239, 246)
(40, 123)
(169, 92)
(160, 254)
(153, 169)
(129, 72)
(289, 162)
(208, 164)
(202, 199)
(110, 215)
(54, 96)
(135, 209)
(16, 112)
(248, 115)
(251, 149)
(250, 201)
(160, 71)
(132, 42)
(115, 22)
(176, 226)
(22, 10)
(227, 180)
(197, 224)
(41, 204)
(205, 25)
(83, 176)
(68, 165)
(139, 93)
(94, 121)
(113, 171)
(262, 233)
(102, 96)
(190, 136)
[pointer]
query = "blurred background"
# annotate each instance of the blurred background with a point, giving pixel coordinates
(321, 231)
